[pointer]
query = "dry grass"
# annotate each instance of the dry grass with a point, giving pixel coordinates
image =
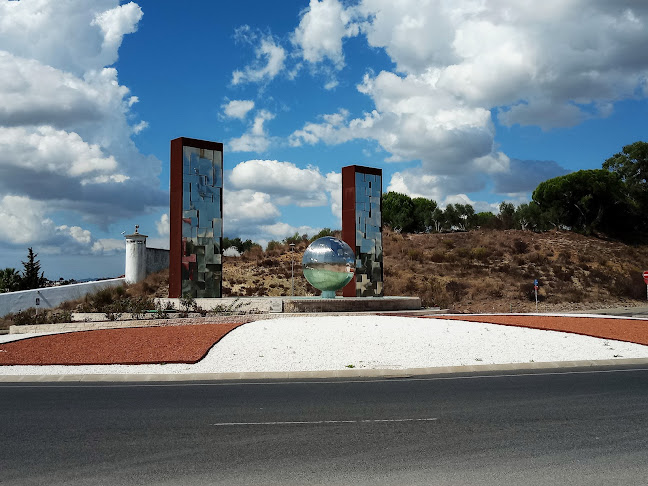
(494, 270)
(477, 271)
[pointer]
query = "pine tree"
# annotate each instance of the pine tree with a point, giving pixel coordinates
(31, 269)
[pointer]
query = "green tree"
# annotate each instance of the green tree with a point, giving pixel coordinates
(423, 209)
(460, 217)
(10, 280)
(438, 220)
(587, 201)
(632, 166)
(506, 215)
(31, 269)
(324, 232)
(528, 216)
(486, 220)
(398, 212)
(296, 239)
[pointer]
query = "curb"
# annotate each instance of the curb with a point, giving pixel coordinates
(559, 366)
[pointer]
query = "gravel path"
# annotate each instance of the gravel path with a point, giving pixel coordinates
(371, 342)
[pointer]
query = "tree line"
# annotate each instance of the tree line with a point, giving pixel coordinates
(611, 201)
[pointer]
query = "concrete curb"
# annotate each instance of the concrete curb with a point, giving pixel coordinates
(350, 374)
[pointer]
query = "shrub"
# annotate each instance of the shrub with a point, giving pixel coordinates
(520, 247)
(437, 257)
(480, 253)
(457, 290)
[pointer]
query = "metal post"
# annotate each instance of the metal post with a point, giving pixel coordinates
(292, 269)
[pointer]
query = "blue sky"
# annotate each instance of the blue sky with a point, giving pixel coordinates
(458, 101)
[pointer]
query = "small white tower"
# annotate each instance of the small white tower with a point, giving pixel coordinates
(135, 257)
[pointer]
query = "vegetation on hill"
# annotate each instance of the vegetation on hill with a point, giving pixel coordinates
(574, 237)
(610, 202)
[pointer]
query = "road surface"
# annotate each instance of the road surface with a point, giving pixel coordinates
(576, 428)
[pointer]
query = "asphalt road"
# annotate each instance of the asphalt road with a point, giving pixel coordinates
(586, 428)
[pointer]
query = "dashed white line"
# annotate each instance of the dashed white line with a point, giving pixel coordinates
(319, 422)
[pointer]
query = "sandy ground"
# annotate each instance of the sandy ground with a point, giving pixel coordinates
(371, 342)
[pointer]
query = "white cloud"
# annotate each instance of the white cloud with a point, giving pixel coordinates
(33, 93)
(46, 150)
(287, 183)
(320, 32)
(283, 230)
(24, 221)
(74, 36)
(64, 117)
(460, 63)
(117, 22)
(162, 225)
(238, 108)
(270, 59)
(139, 127)
(109, 246)
(255, 139)
(247, 207)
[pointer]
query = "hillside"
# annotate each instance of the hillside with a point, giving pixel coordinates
(471, 272)
(477, 271)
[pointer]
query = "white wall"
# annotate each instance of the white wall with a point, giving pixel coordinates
(51, 296)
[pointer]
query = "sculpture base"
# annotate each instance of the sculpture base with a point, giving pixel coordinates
(328, 294)
(349, 304)
(317, 304)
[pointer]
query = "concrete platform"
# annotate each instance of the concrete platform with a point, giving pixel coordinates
(351, 304)
(301, 304)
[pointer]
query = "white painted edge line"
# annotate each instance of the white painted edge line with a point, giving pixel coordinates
(324, 422)
(355, 375)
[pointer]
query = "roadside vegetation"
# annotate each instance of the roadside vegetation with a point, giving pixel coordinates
(580, 237)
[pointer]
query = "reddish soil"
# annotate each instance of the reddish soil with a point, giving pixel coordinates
(629, 330)
(139, 345)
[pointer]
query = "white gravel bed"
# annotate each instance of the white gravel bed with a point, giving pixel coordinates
(5, 338)
(371, 342)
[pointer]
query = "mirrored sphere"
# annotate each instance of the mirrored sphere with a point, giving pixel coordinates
(328, 264)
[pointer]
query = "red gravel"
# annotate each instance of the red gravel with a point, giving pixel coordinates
(629, 330)
(139, 345)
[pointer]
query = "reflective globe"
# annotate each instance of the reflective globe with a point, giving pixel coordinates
(328, 264)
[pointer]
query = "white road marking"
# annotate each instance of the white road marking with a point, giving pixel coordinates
(326, 381)
(318, 422)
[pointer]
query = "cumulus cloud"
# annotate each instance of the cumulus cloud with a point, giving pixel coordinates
(459, 64)
(23, 223)
(66, 124)
(238, 108)
(256, 189)
(287, 183)
(162, 226)
(72, 36)
(323, 26)
(256, 138)
(269, 62)
(117, 22)
(282, 230)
